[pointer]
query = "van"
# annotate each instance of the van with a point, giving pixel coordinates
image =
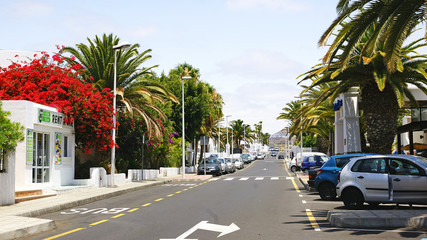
(295, 163)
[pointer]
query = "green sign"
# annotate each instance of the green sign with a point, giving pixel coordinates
(30, 146)
(44, 116)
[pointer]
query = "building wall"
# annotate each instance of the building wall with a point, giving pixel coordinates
(61, 173)
(7, 181)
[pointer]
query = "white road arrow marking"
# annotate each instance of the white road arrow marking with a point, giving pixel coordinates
(204, 225)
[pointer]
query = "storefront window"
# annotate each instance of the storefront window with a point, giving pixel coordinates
(41, 158)
(415, 115)
(423, 114)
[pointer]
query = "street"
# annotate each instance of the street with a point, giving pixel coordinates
(262, 201)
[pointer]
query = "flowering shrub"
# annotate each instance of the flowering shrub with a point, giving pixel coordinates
(49, 81)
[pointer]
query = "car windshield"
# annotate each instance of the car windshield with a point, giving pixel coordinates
(323, 158)
(342, 161)
(210, 160)
(220, 160)
(235, 160)
(228, 160)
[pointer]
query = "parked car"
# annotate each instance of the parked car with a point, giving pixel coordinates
(295, 163)
(327, 176)
(273, 154)
(223, 165)
(246, 157)
(276, 149)
(229, 165)
(383, 179)
(311, 162)
(212, 167)
(238, 163)
(260, 156)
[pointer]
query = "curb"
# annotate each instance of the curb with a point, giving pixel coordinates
(31, 226)
(384, 219)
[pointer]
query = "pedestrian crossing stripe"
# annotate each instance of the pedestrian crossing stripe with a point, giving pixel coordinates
(259, 178)
(243, 179)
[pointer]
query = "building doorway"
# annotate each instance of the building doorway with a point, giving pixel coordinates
(41, 158)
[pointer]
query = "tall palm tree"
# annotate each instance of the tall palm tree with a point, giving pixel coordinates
(394, 20)
(135, 92)
(97, 60)
(381, 92)
(238, 128)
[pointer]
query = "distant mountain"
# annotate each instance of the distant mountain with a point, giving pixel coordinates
(278, 138)
(280, 134)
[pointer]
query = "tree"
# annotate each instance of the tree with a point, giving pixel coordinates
(394, 21)
(135, 92)
(381, 92)
(11, 133)
(202, 104)
(51, 82)
(238, 129)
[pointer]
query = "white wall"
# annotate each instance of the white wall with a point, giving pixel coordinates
(7, 181)
(26, 113)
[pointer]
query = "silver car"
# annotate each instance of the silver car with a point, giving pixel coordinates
(229, 165)
(383, 179)
(238, 163)
(221, 161)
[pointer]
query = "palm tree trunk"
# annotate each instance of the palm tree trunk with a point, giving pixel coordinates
(380, 110)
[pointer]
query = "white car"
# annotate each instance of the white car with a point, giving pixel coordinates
(376, 179)
(295, 163)
(238, 163)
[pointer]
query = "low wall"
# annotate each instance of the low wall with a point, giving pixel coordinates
(135, 175)
(164, 172)
(7, 181)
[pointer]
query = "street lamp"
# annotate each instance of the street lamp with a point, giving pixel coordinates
(300, 97)
(226, 125)
(120, 46)
(183, 127)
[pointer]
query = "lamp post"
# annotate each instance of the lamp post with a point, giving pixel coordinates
(244, 137)
(226, 126)
(183, 127)
(120, 46)
(300, 97)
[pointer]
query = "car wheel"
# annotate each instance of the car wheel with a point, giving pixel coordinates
(293, 168)
(352, 198)
(327, 191)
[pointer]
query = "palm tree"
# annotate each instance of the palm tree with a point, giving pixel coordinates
(394, 21)
(135, 92)
(381, 92)
(238, 128)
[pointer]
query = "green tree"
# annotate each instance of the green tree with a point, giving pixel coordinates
(202, 104)
(238, 128)
(381, 92)
(134, 91)
(11, 133)
(394, 21)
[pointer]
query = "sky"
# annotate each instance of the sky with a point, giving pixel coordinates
(251, 51)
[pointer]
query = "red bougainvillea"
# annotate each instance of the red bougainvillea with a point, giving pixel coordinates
(50, 82)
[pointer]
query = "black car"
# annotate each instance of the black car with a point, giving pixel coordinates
(281, 156)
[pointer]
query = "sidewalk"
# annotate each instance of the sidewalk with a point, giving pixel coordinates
(20, 220)
(368, 219)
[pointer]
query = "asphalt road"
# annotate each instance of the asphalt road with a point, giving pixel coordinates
(262, 201)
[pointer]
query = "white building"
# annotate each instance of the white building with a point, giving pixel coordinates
(45, 158)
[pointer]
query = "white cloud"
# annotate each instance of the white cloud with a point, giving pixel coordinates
(286, 5)
(28, 9)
